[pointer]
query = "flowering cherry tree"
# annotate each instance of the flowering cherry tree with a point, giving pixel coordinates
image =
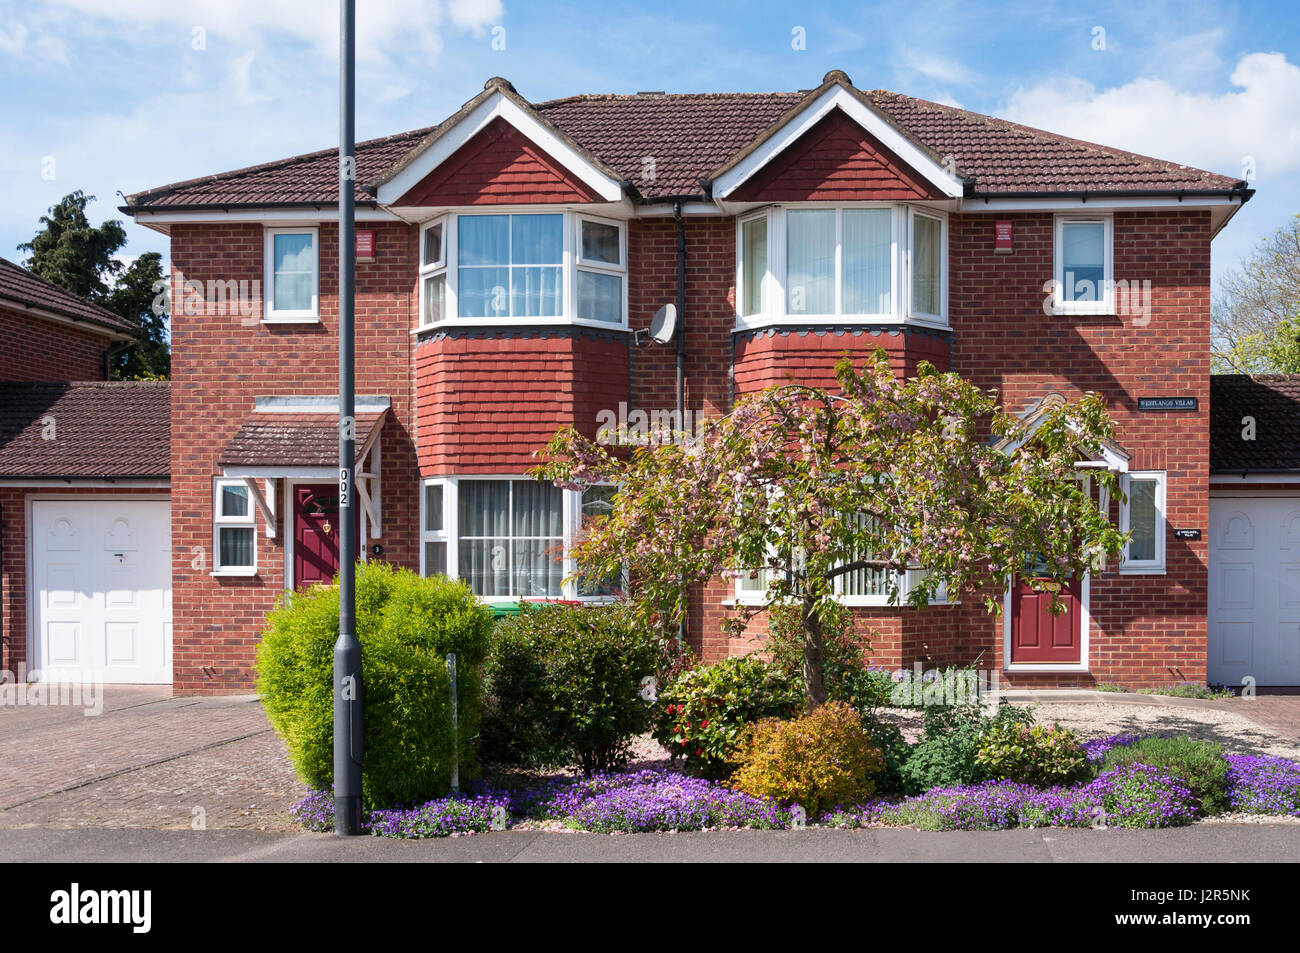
(805, 486)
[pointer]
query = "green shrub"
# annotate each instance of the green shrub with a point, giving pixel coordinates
(406, 626)
(702, 715)
(950, 739)
(1031, 754)
(820, 761)
(565, 687)
(887, 738)
(1198, 763)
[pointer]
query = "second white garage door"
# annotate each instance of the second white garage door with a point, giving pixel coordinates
(101, 589)
(1254, 610)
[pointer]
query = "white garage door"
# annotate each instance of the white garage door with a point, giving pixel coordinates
(101, 585)
(1254, 623)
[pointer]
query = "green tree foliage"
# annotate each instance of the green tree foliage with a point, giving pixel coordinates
(70, 252)
(1255, 319)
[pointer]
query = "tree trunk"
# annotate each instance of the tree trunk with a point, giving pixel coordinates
(814, 658)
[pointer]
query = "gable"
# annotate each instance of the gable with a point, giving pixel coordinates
(499, 165)
(836, 161)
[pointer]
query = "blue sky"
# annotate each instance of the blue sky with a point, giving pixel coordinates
(129, 94)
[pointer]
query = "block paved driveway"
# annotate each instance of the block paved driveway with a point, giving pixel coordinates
(148, 761)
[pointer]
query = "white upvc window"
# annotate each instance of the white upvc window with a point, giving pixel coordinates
(1142, 513)
(521, 267)
(433, 272)
(1083, 278)
(927, 246)
(874, 262)
(509, 537)
(291, 275)
(234, 530)
(601, 285)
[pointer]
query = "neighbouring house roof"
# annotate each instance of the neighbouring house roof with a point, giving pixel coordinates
(1272, 401)
(685, 138)
(20, 287)
(296, 439)
(99, 430)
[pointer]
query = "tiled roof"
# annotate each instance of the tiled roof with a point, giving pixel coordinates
(683, 138)
(1273, 400)
(96, 430)
(294, 440)
(17, 284)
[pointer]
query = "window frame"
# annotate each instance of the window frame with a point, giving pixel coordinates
(776, 277)
(271, 314)
(942, 317)
(434, 268)
(1104, 304)
(1156, 565)
(221, 521)
(571, 516)
(569, 267)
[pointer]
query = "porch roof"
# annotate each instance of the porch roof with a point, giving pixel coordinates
(297, 439)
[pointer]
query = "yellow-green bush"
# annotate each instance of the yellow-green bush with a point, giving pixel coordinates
(823, 760)
(407, 625)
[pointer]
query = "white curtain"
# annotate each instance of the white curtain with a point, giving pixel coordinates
(866, 261)
(810, 268)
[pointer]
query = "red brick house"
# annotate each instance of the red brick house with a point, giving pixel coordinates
(507, 256)
(85, 558)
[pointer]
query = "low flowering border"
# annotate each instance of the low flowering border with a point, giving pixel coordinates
(1262, 784)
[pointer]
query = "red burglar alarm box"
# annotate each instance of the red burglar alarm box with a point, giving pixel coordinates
(1002, 238)
(365, 244)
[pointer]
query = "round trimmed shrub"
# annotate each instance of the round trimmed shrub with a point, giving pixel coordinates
(946, 755)
(566, 687)
(407, 625)
(820, 761)
(703, 714)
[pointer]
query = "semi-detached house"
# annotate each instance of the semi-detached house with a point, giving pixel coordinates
(506, 258)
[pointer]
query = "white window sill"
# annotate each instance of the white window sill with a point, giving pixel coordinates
(292, 319)
(234, 573)
(1092, 309)
(758, 322)
(452, 323)
(1142, 571)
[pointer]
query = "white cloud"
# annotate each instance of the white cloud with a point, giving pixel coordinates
(18, 42)
(381, 24)
(934, 66)
(1213, 131)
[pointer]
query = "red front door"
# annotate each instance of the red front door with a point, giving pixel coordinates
(316, 533)
(1036, 634)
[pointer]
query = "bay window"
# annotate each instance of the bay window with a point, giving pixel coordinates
(830, 263)
(523, 267)
(291, 275)
(1142, 514)
(508, 538)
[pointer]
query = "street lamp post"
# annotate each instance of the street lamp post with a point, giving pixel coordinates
(347, 651)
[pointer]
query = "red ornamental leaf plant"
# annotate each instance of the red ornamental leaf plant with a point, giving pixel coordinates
(807, 485)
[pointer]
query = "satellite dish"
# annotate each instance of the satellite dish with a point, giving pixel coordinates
(664, 324)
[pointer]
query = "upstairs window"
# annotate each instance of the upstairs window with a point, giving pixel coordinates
(819, 263)
(291, 283)
(1083, 282)
(602, 263)
(515, 268)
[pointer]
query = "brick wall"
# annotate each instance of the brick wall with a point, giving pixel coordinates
(38, 349)
(220, 363)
